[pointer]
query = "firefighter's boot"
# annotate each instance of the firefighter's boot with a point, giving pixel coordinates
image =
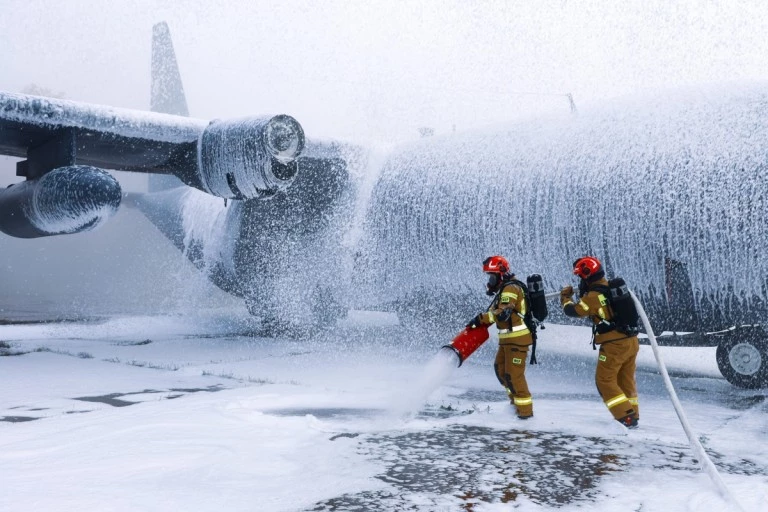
(629, 421)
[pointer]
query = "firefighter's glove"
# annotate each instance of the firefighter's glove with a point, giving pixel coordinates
(476, 321)
(504, 315)
(566, 295)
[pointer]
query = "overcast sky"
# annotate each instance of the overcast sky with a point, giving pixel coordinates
(379, 70)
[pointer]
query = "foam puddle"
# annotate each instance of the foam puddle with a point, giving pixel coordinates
(435, 373)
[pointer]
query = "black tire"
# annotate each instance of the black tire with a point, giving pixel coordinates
(743, 358)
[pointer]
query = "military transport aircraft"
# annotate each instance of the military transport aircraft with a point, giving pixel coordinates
(668, 190)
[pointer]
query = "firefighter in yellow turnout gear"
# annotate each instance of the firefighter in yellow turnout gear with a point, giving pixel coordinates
(615, 372)
(507, 311)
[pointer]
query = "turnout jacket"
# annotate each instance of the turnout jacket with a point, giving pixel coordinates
(595, 305)
(513, 330)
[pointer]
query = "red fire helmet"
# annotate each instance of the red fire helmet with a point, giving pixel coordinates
(496, 265)
(586, 267)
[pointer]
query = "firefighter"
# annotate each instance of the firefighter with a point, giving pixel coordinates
(507, 310)
(615, 371)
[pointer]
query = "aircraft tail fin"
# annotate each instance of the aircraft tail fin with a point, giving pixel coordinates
(167, 95)
(167, 89)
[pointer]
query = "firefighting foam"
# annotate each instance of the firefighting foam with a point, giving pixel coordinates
(676, 176)
(435, 373)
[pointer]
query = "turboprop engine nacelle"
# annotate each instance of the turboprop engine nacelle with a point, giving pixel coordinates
(248, 158)
(64, 201)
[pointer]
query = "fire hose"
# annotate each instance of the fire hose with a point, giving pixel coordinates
(470, 339)
(706, 463)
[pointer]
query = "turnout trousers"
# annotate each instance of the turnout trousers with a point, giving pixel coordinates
(615, 377)
(510, 370)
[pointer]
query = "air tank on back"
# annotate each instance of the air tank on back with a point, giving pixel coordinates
(677, 177)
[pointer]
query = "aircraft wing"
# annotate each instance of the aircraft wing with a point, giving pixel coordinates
(240, 159)
(66, 145)
(51, 133)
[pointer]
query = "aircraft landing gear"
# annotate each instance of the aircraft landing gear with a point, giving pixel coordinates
(325, 308)
(270, 324)
(323, 311)
(742, 358)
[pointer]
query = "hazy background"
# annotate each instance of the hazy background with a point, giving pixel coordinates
(369, 71)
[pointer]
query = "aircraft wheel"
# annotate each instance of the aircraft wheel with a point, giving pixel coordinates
(743, 359)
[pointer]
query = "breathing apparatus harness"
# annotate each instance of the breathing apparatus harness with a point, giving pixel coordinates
(624, 315)
(534, 317)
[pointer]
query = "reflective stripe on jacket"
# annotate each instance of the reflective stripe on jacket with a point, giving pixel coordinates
(512, 330)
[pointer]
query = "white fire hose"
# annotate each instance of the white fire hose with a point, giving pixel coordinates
(704, 460)
(706, 463)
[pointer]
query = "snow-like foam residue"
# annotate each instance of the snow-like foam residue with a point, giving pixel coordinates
(207, 230)
(365, 186)
(236, 156)
(679, 175)
(52, 112)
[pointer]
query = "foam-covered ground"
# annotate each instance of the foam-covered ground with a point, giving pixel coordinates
(198, 414)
